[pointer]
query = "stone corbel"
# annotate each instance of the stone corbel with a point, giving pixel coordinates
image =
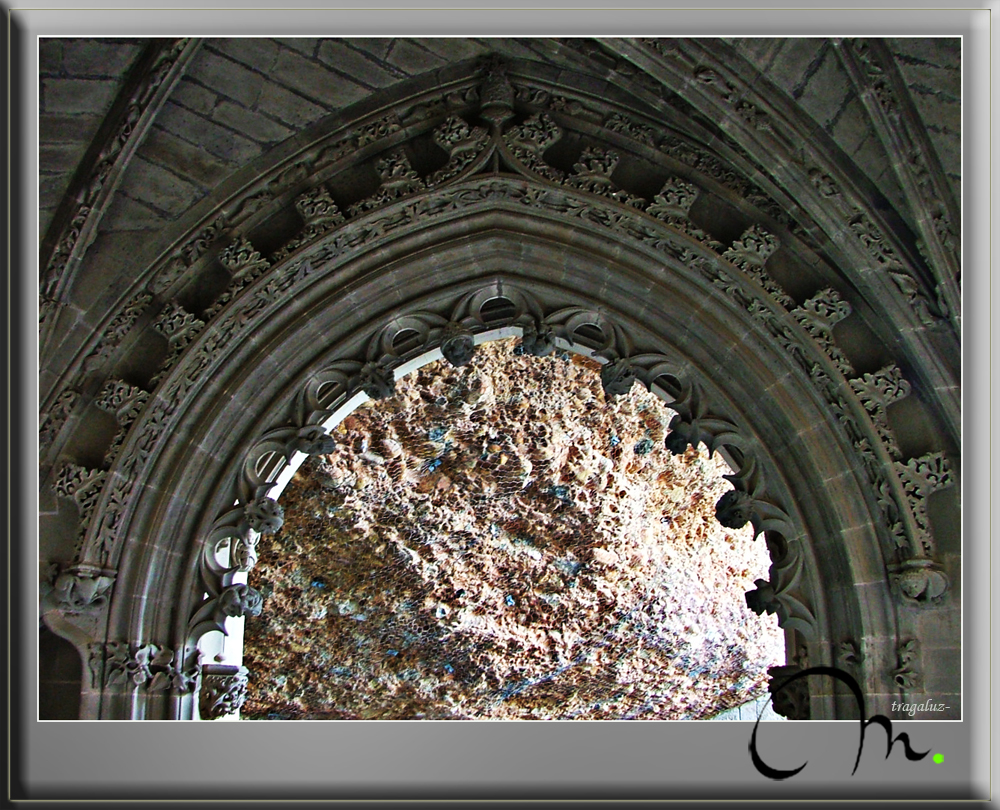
(919, 582)
(223, 690)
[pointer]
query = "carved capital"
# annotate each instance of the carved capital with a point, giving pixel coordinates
(82, 588)
(223, 690)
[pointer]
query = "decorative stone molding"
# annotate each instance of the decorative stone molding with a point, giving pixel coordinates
(398, 180)
(116, 331)
(849, 655)
(125, 402)
(497, 94)
(245, 264)
(750, 253)
(617, 378)
(52, 422)
(232, 601)
(528, 142)
(320, 214)
(592, 172)
(179, 327)
(223, 690)
(790, 701)
(622, 124)
(818, 316)
(463, 145)
(82, 486)
(877, 391)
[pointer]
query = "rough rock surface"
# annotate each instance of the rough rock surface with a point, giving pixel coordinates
(500, 541)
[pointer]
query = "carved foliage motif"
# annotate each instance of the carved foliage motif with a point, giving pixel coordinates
(877, 391)
(125, 402)
(528, 141)
(463, 145)
(223, 691)
(921, 478)
(117, 330)
(907, 675)
(81, 485)
(153, 666)
(818, 316)
(54, 420)
(398, 180)
(81, 588)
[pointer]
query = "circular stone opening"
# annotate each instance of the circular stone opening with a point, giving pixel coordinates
(502, 541)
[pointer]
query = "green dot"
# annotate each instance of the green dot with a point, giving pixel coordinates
(939, 758)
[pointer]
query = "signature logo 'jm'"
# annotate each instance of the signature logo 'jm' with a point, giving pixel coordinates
(878, 719)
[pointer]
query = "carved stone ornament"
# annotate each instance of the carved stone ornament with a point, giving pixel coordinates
(618, 377)
(906, 675)
(538, 340)
(791, 701)
(920, 582)
(240, 600)
(734, 509)
(82, 588)
(458, 346)
(149, 665)
(762, 599)
(497, 94)
(314, 441)
(265, 515)
(223, 690)
(377, 382)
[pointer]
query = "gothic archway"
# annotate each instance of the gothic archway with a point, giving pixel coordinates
(494, 203)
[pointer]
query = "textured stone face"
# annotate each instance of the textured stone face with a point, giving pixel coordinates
(502, 541)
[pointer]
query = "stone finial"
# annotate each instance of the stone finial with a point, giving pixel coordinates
(497, 93)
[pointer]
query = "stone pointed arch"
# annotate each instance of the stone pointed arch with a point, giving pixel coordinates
(311, 278)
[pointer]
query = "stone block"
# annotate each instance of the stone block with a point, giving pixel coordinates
(255, 126)
(258, 53)
(189, 160)
(97, 57)
(214, 138)
(194, 97)
(825, 90)
(226, 77)
(305, 45)
(792, 62)
(454, 49)
(77, 95)
(50, 56)
(289, 107)
(344, 58)
(315, 81)
(78, 129)
(850, 128)
(60, 157)
(126, 214)
(160, 188)
(412, 59)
